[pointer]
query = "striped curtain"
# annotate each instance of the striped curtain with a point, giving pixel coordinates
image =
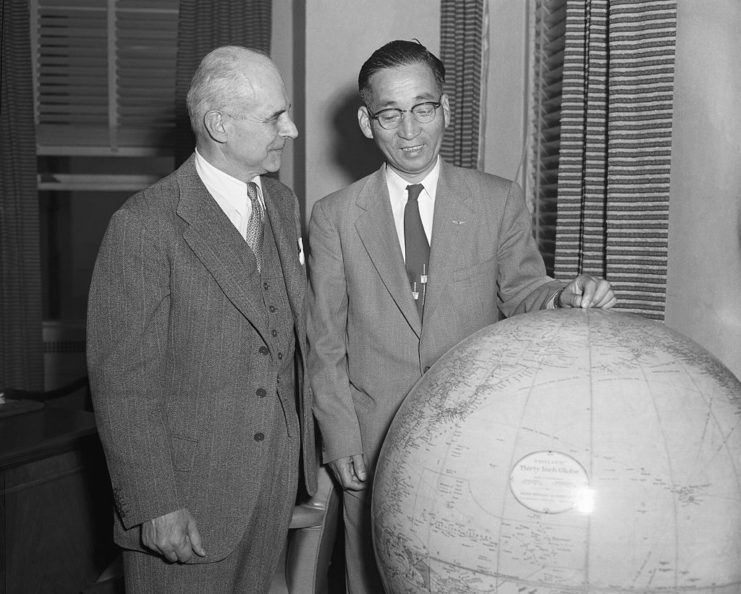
(464, 51)
(21, 355)
(616, 117)
(204, 26)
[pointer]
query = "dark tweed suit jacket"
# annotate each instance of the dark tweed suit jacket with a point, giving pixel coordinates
(176, 335)
(367, 344)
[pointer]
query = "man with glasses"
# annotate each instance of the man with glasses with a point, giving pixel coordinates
(404, 264)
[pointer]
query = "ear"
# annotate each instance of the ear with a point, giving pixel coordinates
(214, 124)
(364, 121)
(446, 108)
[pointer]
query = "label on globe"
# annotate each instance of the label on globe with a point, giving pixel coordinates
(551, 482)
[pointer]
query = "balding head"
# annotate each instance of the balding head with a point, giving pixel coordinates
(226, 79)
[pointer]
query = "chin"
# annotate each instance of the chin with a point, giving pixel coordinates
(272, 167)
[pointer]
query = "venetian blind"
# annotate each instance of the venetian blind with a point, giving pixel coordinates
(548, 26)
(104, 75)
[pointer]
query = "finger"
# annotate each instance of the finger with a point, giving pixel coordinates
(609, 303)
(571, 295)
(342, 472)
(183, 549)
(359, 467)
(588, 291)
(195, 540)
(353, 483)
(356, 485)
(602, 295)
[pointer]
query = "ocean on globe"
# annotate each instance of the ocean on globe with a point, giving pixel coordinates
(562, 452)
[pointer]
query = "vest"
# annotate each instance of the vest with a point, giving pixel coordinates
(281, 339)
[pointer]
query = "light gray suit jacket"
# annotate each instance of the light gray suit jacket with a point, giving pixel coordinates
(176, 326)
(367, 346)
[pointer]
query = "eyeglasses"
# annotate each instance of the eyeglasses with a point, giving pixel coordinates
(391, 118)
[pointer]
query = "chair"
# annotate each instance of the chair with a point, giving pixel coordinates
(311, 538)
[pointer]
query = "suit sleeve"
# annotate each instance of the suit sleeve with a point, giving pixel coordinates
(522, 284)
(326, 331)
(128, 313)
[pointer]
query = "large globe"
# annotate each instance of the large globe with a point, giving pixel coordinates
(564, 452)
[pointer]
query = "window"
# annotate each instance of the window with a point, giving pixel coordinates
(104, 73)
(105, 76)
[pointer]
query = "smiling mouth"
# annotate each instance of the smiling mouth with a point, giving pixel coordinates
(412, 149)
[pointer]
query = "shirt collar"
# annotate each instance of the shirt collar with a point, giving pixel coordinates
(222, 185)
(398, 185)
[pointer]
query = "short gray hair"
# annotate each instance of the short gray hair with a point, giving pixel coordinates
(218, 83)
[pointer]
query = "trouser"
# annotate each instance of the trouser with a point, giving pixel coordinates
(249, 568)
(361, 572)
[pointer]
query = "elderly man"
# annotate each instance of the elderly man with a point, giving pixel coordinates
(406, 263)
(196, 340)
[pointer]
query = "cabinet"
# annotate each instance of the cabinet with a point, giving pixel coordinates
(55, 502)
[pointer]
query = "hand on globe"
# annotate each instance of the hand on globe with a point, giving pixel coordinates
(587, 291)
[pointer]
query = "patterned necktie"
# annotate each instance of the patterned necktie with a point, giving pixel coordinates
(417, 249)
(255, 224)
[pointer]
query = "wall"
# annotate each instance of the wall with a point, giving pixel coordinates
(506, 89)
(704, 281)
(339, 37)
(281, 51)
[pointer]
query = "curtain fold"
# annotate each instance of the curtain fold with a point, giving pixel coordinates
(464, 51)
(202, 27)
(615, 151)
(21, 354)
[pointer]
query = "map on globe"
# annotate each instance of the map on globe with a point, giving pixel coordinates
(561, 452)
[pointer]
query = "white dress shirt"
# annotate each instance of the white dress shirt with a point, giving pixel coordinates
(397, 188)
(229, 192)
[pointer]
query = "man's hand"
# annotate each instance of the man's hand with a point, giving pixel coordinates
(351, 472)
(587, 291)
(174, 535)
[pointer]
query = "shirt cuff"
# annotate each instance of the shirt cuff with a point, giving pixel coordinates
(555, 301)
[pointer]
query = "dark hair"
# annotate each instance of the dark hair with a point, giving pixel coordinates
(395, 54)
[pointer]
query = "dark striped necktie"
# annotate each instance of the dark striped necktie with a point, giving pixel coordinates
(417, 248)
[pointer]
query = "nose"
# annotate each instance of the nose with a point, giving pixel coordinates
(409, 126)
(287, 127)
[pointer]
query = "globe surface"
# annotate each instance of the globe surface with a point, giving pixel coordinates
(560, 452)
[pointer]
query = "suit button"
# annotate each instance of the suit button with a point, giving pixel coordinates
(272, 308)
(261, 392)
(280, 355)
(274, 332)
(263, 350)
(266, 286)
(259, 436)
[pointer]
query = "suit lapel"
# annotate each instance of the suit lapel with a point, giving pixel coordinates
(453, 223)
(376, 229)
(217, 244)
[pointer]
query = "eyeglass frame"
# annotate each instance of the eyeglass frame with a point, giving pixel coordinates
(401, 112)
(270, 121)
